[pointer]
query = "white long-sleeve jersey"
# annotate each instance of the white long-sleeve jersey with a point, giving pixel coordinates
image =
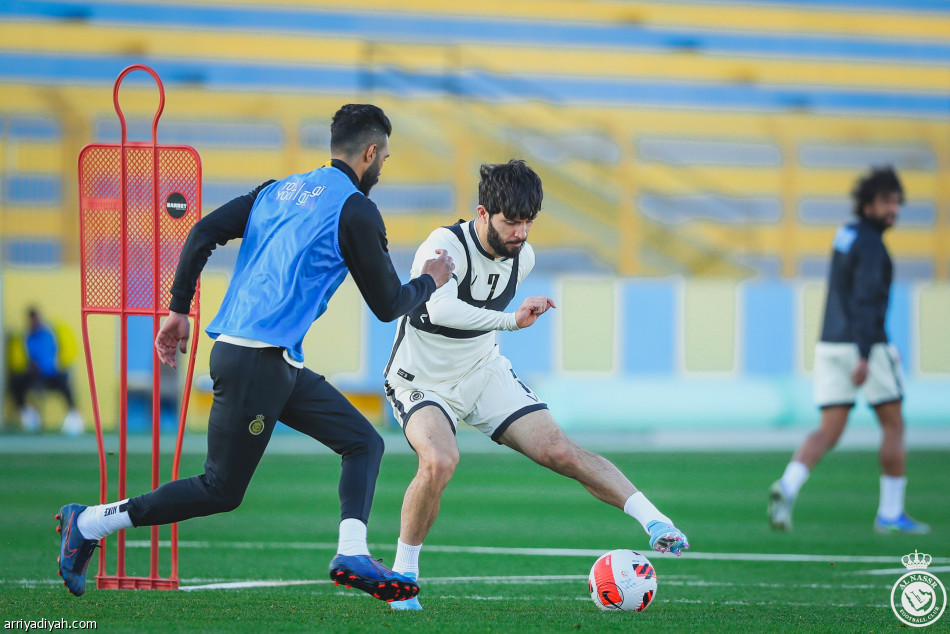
(454, 332)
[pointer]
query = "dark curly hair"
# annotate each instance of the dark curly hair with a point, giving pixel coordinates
(879, 180)
(511, 188)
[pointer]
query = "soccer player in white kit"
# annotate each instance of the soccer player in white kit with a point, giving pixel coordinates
(445, 367)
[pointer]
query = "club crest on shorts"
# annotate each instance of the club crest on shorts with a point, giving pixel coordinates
(918, 598)
(257, 425)
(415, 396)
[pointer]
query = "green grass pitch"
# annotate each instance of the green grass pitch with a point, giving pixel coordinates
(286, 531)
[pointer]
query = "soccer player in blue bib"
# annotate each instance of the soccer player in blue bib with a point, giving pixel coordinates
(300, 237)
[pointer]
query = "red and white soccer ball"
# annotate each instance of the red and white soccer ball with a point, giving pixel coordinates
(622, 580)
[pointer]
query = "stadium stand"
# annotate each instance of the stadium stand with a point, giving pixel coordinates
(668, 142)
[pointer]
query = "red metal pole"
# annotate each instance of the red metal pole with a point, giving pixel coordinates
(123, 339)
(90, 372)
(100, 444)
(156, 364)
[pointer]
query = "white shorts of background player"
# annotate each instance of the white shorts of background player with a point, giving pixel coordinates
(834, 363)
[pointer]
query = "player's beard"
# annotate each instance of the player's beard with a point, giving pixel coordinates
(370, 176)
(499, 246)
(882, 224)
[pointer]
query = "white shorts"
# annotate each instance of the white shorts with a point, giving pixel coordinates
(489, 398)
(834, 363)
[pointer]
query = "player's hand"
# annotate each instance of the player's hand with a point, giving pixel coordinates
(173, 334)
(439, 268)
(531, 309)
(859, 373)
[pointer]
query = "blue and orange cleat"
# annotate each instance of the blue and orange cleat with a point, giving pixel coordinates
(407, 604)
(903, 524)
(372, 577)
(667, 538)
(75, 551)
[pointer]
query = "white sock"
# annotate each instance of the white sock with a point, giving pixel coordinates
(352, 537)
(794, 477)
(641, 509)
(102, 520)
(892, 497)
(407, 557)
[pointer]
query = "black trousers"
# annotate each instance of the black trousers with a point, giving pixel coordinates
(253, 389)
(23, 382)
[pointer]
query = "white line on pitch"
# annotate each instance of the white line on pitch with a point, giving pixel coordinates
(240, 585)
(669, 580)
(898, 571)
(536, 552)
(525, 579)
(530, 580)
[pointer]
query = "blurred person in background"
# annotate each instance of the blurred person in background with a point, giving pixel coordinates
(854, 354)
(42, 369)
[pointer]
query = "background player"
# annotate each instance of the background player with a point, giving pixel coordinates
(854, 353)
(445, 366)
(301, 236)
(43, 371)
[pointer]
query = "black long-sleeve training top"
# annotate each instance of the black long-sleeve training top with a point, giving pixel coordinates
(859, 285)
(363, 244)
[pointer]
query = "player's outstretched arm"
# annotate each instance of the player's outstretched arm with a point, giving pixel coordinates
(532, 308)
(445, 308)
(365, 251)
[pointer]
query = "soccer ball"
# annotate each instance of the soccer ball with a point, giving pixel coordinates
(622, 580)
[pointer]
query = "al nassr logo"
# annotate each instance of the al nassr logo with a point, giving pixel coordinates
(918, 598)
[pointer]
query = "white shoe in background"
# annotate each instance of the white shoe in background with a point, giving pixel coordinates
(780, 507)
(30, 419)
(73, 424)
